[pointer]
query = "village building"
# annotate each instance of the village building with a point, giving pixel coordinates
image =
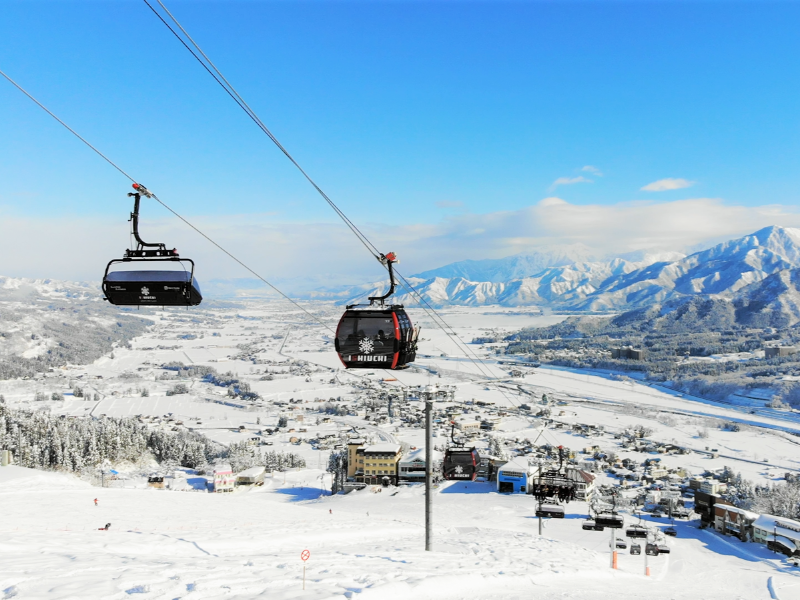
(355, 463)
(730, 520)
(251, 476)
(375, 464)
(704, 504)
(514, 477)
(412, 465)
(468, 425)
(223, 479)
(584, 483)
(778, 533)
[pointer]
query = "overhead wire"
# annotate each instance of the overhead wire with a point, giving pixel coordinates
(223, 82)
(164, 204)
(231, 91)
(173, 211)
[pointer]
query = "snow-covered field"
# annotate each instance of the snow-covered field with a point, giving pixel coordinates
(165, 544)
(169, 544)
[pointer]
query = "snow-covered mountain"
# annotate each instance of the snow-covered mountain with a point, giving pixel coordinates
(615, 284)
(720, 271)
(518, 266)
(773, 302)
(46, 323)
(18, 288)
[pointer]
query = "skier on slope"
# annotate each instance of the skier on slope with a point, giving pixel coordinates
(95, 501)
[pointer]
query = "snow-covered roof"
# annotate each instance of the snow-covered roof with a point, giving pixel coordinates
(252, 472)
(222, 469)
(383, 448)
(786, 527)
(419, 454)
(745, 513)
(517, 464)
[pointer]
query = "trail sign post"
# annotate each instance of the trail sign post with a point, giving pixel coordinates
(304, 556)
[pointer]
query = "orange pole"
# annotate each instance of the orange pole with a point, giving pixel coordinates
(647, 571)
(614, 560)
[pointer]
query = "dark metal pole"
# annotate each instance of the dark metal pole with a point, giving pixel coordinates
(428, 467)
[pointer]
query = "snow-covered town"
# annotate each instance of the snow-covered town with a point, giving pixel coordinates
(314, 452)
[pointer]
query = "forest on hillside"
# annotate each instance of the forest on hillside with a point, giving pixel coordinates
(677, 339)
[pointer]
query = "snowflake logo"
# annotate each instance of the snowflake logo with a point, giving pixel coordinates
(145, 291)
(459, 469)
(366, 346)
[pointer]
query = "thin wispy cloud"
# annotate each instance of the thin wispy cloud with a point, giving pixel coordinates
(569, 181)
(663, 185)
(605, 228)
(593, 170)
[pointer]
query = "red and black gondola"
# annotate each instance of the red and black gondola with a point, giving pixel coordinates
(461, 464)
(376, 335)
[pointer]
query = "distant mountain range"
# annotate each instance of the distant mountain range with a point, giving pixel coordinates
(757, 270)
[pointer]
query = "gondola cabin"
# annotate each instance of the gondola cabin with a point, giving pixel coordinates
(550, 511)
(376, 337)
(609, 520)
(461, 464)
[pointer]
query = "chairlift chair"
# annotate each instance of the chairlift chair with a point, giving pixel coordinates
(150, 286)
(651, 549)
(376, 335)
(610, 520)
(551, 511)
(636, 531)
(636, 548)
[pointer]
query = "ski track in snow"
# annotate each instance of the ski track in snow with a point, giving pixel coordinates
(167, 545)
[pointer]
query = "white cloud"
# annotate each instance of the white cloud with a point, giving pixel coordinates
(329, 253)
(593, 170)
(552, 201)
(569, 181)
(663, 185)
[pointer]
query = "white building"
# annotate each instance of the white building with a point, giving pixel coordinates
(584, 483)
(778, 533)
(250, 476)
(223, 479)
(468, 425)
(412, 466)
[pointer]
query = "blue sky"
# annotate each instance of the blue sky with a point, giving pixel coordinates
(423, 120)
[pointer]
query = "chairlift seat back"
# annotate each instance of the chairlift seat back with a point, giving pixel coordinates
(152, 288)
(553, 511)
(610, 521)
(636, 532)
